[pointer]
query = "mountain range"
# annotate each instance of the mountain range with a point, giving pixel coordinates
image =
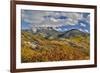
(56, 34)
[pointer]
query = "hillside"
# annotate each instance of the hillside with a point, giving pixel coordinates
(50, 45)
(73, 33)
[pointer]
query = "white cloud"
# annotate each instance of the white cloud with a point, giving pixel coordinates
(86, 30)
(82, 24)
(81, 29)
(36, 18)
(58, 29)
(53, 19)
(88, 19)
(73, 18)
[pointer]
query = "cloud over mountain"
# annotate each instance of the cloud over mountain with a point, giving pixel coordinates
(54, 18)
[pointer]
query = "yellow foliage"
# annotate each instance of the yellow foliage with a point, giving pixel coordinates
(52, 50)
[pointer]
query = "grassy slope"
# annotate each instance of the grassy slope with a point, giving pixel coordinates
(76, 48)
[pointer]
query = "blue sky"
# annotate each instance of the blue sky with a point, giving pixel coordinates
(60, 21)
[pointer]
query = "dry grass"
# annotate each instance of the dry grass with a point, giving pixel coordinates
(53, 50)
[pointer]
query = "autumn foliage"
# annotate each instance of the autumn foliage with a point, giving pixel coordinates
(35, 48)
